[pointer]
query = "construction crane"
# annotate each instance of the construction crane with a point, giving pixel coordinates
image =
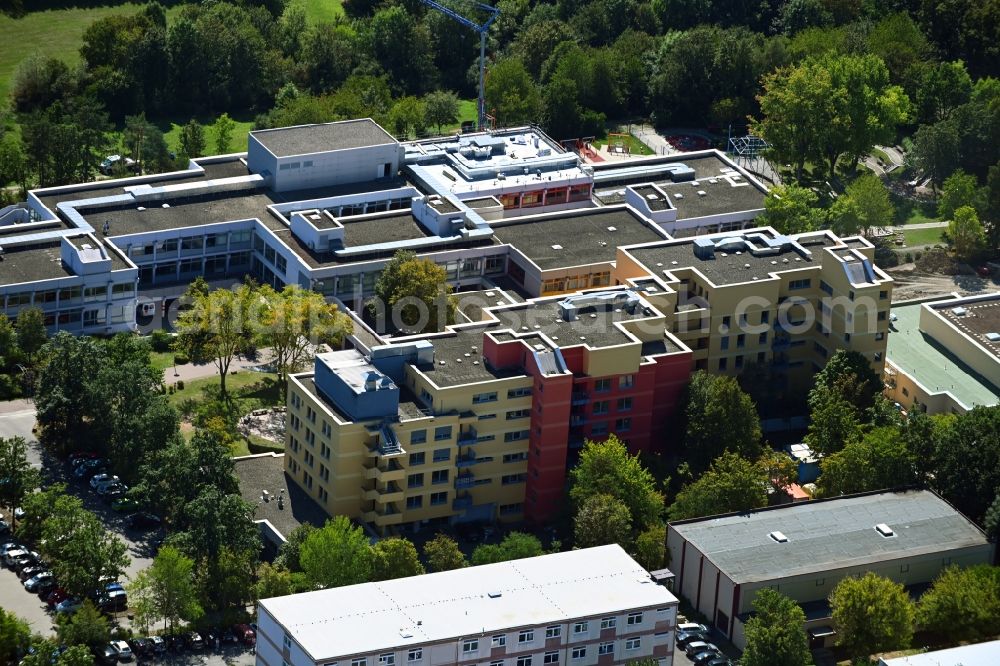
(482, 29)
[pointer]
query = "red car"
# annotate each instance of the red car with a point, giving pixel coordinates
(245, 634)
(56, 596)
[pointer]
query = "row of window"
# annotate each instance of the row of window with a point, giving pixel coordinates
(604, 406)
(600, 428)
(218, 241)
(69, 295)
(436, 499)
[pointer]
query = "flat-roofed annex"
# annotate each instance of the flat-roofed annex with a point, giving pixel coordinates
(320, 138)
(394, 614)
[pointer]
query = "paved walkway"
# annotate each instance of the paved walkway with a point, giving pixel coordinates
(190, 371)
(16, 406)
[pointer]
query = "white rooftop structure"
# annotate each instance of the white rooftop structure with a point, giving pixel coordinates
(980, 654)
(473, 601)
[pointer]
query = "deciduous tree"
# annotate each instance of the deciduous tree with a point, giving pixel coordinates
(732, 483)
(192, 139)
(395, 558)
(962, 604)
(337, 554)
(17, 476)
(650, 549)
(414, 291)
(879, 460)
(515, 546)
(443, 554)
(863, 207)
(15, 636)
(775, 634)
(87, 626)
(791, 209)
(871, 614)
(968, 236)
(719, 417)
(83, 553)
(218, 326)
(441, 108)
(606, 468)
(960, 189)
(224, 127)
(600, 520)
(31, 332)
(173, 590)
(511, 95)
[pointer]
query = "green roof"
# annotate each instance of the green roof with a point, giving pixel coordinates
(937, 370)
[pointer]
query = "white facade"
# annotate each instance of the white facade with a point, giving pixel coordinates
(580, 608)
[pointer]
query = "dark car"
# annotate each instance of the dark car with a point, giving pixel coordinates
(114, 602)
(143, 520)
(705, 657)
(695, 648)
(159, 644)
(141, 647)
(55, 596)
(4, 527)
(31, 584)
(245, 633)
(193, 640)
(108, 655)
(45, 587)
(685, 637)
(117, 489)
(229, 636)
(25, 561)
(720, 661)
(31, 571)
(209, 637)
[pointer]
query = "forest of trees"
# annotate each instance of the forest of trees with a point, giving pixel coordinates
(568, 65)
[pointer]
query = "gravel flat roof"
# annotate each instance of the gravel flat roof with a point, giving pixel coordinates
(307, 139)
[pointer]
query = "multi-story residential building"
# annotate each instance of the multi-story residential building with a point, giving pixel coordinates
(481, 422)
(804, 549)
(586, 607)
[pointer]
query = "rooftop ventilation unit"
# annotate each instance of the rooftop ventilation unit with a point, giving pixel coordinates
(993, 337)
(495, 594)
(884, 530)
(959, 311)
(612, 228)
(778, 536)
(557, 247)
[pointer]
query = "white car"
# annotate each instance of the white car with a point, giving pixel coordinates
(691, 626)
(123, 650)
(69, 606)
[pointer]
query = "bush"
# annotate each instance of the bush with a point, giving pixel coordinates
(180, 384)
(917, 255)
(161, 341)
(170, 389)
(908, 257)
(181, 359)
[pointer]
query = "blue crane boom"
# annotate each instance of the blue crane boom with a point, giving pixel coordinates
(482, 29)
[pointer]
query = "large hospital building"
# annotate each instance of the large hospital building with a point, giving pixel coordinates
(587, 295)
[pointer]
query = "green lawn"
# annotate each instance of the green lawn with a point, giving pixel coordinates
(636, 146)
(57, 33)
(161, 360)
(909, 211)
(172, 132)
(322, 10)
(919, 237)
(256, 388)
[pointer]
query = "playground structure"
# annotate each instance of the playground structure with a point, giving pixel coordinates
(618, 144)
(748, 151)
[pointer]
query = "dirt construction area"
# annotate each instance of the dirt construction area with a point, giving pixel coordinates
(911, 284)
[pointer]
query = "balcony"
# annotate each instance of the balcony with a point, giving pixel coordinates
(577, 420)
(386, 472)
(462, 502)
(470, 460)
(580, 398)
(463, 481)
(781, 343)
(390, 515)
(467, 437)
(392, 492)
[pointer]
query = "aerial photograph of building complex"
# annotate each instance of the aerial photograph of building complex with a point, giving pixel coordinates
(499, 333)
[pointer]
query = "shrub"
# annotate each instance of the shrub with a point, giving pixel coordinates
(161, 341)
(181, 359)
(170, 389)
(917, 255)
(180, 384)
(908, 257)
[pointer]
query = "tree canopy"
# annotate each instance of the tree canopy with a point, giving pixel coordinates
(775, 634)
(412, 294)
(336, 554)
(443, 554)
(606, 468)
(963, 604)
(600, 520)
(871, 614)
(732, 483)
(719, 416)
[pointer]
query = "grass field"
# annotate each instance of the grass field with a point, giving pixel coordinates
(921, 237)
(256, 389)
(636, 146)
(172, 132)
(57, 33)
(321, 10)
(909, 211)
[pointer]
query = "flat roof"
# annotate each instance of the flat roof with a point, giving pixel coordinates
(474, 601)
(451, 365)
(409, 408)
(979, 654)
(267, 472)
(31, 263)
(730, 192)
(825, 535)
(576, 238)
(728, 267)
(308, 139)
(931, 364)
(981, 318)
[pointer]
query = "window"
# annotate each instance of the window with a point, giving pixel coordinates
(626, 381)
(741, 341)
(904, 568)
(287, 642)
(416, 459)
(883, 295)
(634, 618)
(739, 362)
(444, 432)
(762, 339)
(387, 659)
(498, 662)
(415, 480)
(526, 636)
(499, 640)
(480, 398)
(580, 652)
(511, 509)
(511, 479)
(723, 363)
(599, 429)
(623, 425)
(606, 648)
(440, 455)
(439, 476)
(580, 627)
(820, 582)
(471, 645)
(882, 315)
(765, 317)
(486, 417)
(726, 321)
(602, 385)
(515, 457)
(359, 661)
(415, 654)
(551, 658)
(633, 643)
(724, 343)
(624, 404)
(415, 502)
(519, 392)
(601, 407)
(524, 661)
(609, 622)
(418, 437)
(553, 632)
(518, 414)
(515, 436)
(825, 288)
(799, 284)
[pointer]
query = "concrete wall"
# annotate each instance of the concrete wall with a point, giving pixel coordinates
(961, 345)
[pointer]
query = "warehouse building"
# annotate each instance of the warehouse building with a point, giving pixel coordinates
(804, 549)
(586, 607)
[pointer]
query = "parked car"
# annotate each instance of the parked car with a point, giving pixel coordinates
(32, 584)
(98, 479)
(12, 554)
(720, 661)
(143, 520)
(124, 504)
(89, 469)
(229, 637)
(685, 637)
(114, 602)
(705, 657)
(194, 641)
(29, 559)
(124, 651)
(44, 588)
(141, 647)
(209, 637)
(110, 484)
(159, 645)
(69, 605)
(29, 572)
(697, 647)
(116, 489)
(4, 526)
(8, 546)
(108, 655)
(245, 634)
(691, 626)
(56, 596)
(110, 496)
(18, 513)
